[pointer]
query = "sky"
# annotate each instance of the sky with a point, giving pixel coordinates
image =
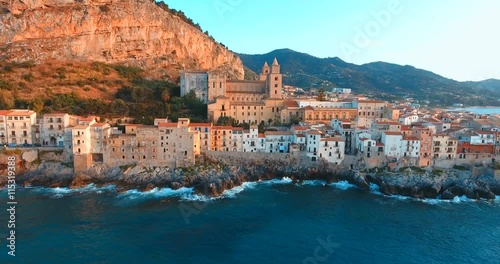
(458, 39)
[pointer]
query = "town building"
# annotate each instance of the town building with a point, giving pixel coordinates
(19, 127)
(53, 128)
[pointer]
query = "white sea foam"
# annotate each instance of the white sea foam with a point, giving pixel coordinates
(231, 193)
(59, 192)
(375, 189)
(313, 183)
(342, 185)
(284, 180)
(156, 193)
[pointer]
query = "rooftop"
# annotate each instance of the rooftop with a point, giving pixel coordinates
(392, 133)
(278, 133)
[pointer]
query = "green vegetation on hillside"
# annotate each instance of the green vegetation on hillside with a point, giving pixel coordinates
(110, 91)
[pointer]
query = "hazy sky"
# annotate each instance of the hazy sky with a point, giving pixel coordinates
(459, 39)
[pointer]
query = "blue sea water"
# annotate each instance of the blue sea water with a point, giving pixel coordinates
(266, 222)
(480, 110)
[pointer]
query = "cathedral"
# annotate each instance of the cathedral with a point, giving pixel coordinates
(249, 101)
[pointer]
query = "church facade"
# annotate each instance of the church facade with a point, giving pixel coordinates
(247, 101)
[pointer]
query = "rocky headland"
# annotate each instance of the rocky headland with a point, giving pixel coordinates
(132, 32)
(213, 174)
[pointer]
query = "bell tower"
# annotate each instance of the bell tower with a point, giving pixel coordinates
(274, 81)
(264, 72)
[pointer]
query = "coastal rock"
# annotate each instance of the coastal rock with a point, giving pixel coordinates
(447, 195)
(80, 180)
(30, 156)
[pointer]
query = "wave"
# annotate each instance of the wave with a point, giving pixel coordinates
(156, 193)
(59, 192)
(230, 193)
(375, 189)
(284, 180)
(313, 183)
(343, 185)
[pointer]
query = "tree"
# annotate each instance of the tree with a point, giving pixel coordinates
(226, 121)
(321, 95)
(165, 95)
(6, 99)
(295, 120)
(37, 105)
(118, 106)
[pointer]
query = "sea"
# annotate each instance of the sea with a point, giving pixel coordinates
(264, 222)
(480, 110)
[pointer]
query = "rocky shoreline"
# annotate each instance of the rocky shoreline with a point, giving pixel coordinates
(212, 176)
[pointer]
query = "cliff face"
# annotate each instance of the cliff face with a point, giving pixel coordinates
(134, 32)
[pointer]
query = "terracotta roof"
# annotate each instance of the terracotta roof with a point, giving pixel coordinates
(379, 144)
(332, 139)
(388, 123)
(237, 129)
(200, 124)
(297, 127)
(90, 118)
(314, 132)
(300, 135)
(364, 139)
(261, 135)
(308, 108)
(410, 138)
(167, 125)
(484, 132)
(222, 127)
(290, 103)
(17, 112)
(80, 127)
(4, 112)
(406, 128)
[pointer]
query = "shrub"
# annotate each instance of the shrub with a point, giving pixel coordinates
(27, 77)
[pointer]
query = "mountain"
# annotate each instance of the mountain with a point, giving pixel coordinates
(132, 32)
(378, 79)
(490, 84)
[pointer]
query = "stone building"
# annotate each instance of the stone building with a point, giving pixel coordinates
(372, 110)
(246, 101)
(179, 143)
(52, 129)
(444, 146)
